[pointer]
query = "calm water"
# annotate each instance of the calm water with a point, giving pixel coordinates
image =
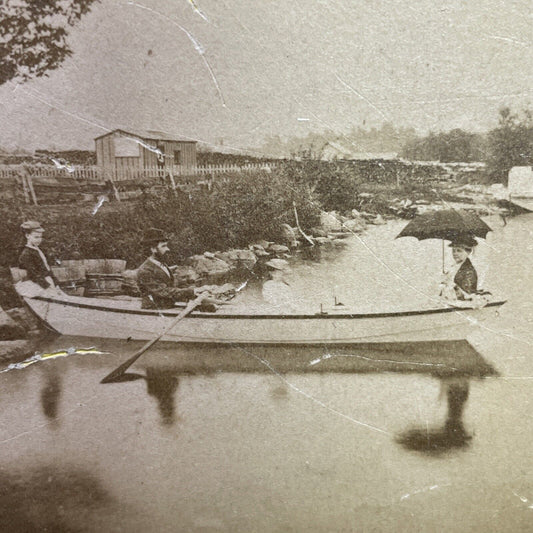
(194, 444)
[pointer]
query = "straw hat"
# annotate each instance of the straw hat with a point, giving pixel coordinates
(30, 226)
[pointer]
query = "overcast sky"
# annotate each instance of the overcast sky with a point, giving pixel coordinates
(240, 70)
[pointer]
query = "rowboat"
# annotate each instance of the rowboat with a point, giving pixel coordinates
(124, 319)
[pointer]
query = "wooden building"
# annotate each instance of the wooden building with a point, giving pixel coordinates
(336, 151)
(133, 151)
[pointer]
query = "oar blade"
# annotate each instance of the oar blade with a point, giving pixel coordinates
(114, 376)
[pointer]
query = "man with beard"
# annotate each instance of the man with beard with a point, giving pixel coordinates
(155, 279)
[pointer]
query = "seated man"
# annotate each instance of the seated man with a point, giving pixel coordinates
(32, 259)
(155, 279)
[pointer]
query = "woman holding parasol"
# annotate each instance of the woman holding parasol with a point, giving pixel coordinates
(460, 282)
(460, 227)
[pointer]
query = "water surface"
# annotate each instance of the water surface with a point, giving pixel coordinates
(196, 443)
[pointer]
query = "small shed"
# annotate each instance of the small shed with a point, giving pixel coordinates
(123, 150)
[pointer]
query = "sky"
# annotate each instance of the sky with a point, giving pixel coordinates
(232, 72)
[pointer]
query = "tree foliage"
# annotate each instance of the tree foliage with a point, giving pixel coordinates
(510, 144)
(33, 35)
(454, 146)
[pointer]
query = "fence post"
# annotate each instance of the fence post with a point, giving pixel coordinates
(108, 173)
(24, 188)
(172, 182)
(32, 190)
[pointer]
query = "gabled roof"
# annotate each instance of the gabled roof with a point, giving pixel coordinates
(148, 135)
(349, 154)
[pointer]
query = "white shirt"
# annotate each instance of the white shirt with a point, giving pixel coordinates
(163, 267)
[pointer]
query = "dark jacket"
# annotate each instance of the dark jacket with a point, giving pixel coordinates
(157, 287)
(31, 262)
(465, 279)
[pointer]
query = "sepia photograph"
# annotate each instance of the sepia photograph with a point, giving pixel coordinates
(265, 266)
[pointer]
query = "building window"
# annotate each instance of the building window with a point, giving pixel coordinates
(177, 157)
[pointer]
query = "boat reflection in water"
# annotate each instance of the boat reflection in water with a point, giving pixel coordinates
(161, 383)
(453, 363)
(453, 434)
(51, 391)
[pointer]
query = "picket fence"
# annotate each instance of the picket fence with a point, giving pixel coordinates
(102, 174)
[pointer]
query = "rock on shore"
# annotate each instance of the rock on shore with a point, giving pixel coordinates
(9, 329)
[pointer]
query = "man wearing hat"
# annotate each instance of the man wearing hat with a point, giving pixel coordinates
(464, 284)
(32, 259)
(155, 279)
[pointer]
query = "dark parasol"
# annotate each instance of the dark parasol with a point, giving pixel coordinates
(447, 224)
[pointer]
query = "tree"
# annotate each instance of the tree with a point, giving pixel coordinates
(510, 144)
(454, 146)
(33, 35)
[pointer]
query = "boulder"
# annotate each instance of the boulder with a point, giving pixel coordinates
(368, 216)
(322, 240)
(355, 225)
(258, 250)
(278, 249)
(265, 244)
(184, 275)
(205, 266)
(318, 232)
(339, 242)
(289, 236)
(14, 349)
(330, 221)
(223, 292)
(9, 329)
(25, 320)
(238, 258)
(378, 221)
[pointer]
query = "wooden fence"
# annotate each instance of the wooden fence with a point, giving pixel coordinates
(103, 174)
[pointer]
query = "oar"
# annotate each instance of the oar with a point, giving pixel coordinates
(118, 372)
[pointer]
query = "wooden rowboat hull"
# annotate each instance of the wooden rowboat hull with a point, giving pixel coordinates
(106, 318)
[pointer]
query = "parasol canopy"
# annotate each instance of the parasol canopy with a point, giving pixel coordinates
(448, 224)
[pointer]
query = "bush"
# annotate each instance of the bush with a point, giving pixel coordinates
(250, 207)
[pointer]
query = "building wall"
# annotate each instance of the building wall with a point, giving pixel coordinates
(187, 152)
(108, 156)
(105, 151)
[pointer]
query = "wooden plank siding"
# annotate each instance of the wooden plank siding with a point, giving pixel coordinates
(187, 152)
(108, 158)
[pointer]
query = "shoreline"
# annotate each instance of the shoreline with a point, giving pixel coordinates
(216, 268)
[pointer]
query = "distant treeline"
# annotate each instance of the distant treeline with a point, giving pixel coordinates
(219, 158)
(507, 145)
(454, 146)
(387, 138)
(73, 157)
